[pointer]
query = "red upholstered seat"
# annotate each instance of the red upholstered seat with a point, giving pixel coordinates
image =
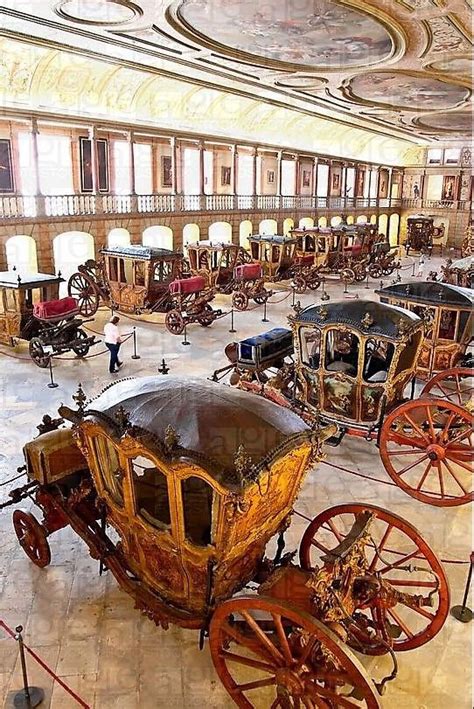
(55, 309)
(247, 272)
(188, 285)
(305, 260)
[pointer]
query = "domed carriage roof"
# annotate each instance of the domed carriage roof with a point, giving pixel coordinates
(429, 292)
(211, 420)
(273, 238)
(365, 316)
(146, 253)
(463, 264)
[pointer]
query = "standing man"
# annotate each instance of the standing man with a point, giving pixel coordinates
(113, 341)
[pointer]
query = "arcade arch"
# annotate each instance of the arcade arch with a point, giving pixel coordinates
(21, 254)
(159, 236)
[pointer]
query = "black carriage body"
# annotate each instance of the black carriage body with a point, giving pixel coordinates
(265, 350)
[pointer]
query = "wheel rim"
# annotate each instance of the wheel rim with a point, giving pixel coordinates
(299, 284)
(427, 448)
(32, 538)
(395, 547)
(375, 271)
(207, 316)
(240, 300)
(38, 354)
(271, 651)
(347, 274)
(360, 274)
(79, 349)
(314, 282)
(454, 385)
(83, 290)
(174, 322)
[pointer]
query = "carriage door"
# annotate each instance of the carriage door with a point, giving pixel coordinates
(378, 356)
(198, 504)
(340, 374)
(430, 316)
(154, 541)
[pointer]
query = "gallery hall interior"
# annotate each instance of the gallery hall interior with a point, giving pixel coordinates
(236, 354)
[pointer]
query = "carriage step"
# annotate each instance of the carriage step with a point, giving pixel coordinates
(334, 441)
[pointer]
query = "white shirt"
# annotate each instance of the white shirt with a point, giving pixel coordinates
(112, 334)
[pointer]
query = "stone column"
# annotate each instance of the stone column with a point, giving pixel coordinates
(39, 198)
(315, 181)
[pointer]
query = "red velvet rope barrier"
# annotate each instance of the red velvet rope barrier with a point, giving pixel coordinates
(45, 667)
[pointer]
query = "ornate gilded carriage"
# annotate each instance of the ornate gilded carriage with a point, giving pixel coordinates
(132, 279)
(216, 262)
(420, 230)
(447, 310)
(195, 479)
(459, 273)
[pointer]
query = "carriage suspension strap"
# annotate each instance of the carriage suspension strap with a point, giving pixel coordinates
(19, 494)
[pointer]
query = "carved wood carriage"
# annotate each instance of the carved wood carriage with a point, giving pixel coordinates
(459, 272)
(216, 263)
(190, 300)
(352, 364)
(420, 230)
(279, 260)
(31, 310)
(132, 279)
(196, 479)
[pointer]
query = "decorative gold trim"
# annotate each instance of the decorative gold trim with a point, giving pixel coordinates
(135, 10)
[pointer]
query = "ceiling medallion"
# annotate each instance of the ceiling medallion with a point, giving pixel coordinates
(461, 65)
(302, 82)
(98, 12)
(449, 122)
(319, 34)
(397, 89)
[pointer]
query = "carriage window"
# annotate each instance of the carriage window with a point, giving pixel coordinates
(163, 271)
(10, 300)
(310, 341)
(109, 468)
(2, 301)
(463, 320)
(447, 324)
(125, 270)
(139, 267)
(254, 250)
(151, 493)
(113, 269)
(377, 360)
(192, 256)
(342, 352)
(428, 315)
(408, 353)
(197, 498)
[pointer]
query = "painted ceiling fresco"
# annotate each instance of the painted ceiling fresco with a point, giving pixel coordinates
(399, 69)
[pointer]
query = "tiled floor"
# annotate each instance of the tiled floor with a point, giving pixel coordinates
(86, 629)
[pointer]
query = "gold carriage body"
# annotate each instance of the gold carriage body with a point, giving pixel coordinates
(447, 311)
(460, 272)
(215, 261)
(420, 231)
(275, 253)
(18, 294)
(196, 478)
(354, 359)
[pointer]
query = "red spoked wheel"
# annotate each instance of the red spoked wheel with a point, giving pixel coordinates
(207, 316)
(32, 537)
(174, 321)
(84, 290)
(240, 300)
(398, 558)
(262, 296)
(454, 385)
(427, 448)
(271, 654)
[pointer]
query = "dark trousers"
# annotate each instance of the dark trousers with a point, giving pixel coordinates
(114, 350)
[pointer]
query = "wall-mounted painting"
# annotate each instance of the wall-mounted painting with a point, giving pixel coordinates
(360, 179)
(306, 179)
(336, 183)
(85, 156)
(448, 187)
(270, 176)
(6, 168)
(166, 171)
(225, 175)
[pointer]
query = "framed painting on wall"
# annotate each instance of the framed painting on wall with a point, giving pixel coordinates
(359, 192)
(85, 156)
(166, 171)
(225, 175)
(336, 182)
(6, 166)
(270, 177)
(448, 187)
(306, 180)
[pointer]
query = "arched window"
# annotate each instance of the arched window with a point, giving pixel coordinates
(150, 487)
(198, 497)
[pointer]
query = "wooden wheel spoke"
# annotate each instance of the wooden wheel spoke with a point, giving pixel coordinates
(461, 463)
(460, 436)
(454, 475)
(413, 465)
(422, 611)
(285, 648)
(401, 624)
(417, 428)
(306, 653)
(257, 684)
(440, 478)
(402, 439)
(316, 691)
(242, 660)
(380, 547)
(398, 563)
(397, 452)
(430, 421)
(425, 475)
(410, 583)
(251, 645)
(335, 531)
(263, 638)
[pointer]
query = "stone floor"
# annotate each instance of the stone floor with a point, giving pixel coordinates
(86, 630)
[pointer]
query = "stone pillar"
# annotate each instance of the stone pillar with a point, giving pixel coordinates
(94, 161)
(315, 180)
(254, 176)
(201, 168)
(235, 170)
(174, 166)
(132, 163)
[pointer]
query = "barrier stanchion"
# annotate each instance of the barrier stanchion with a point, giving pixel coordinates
(135, 355)
(294, 297)
(413, 269)
(367, 282)
(324, 293)
(52, 384)
(231, 329)
(462, 612)
(185, 341)
(381, 284)
(265, 319)
(27, 697)
(164, 369)
(345, 286)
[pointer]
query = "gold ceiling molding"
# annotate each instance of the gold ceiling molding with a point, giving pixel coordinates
(101, 12)
(457, 64)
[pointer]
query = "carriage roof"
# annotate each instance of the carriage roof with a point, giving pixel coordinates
(420, 217)
(364, 316)
(463, 264)
(431, 293)
(142, 253)
(12, 279)
(211, 423)
(211, 245)
(273, 238)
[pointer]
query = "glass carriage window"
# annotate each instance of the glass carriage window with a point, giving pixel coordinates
(342, 352)
(125, 270)
(377, 360)
(113, 269)
(151, 492)
(163, 271)
(139, 278)
(447, 324)
(197, 498)
(463, 320)
(407, 354)
(428, 315)
(10, 300)
(254, 250)
(109, 468)
(310, 342)
(2, 301)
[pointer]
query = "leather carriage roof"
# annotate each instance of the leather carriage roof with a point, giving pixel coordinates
(386, 319)
(273, 238)
(147, 253)
(429, 292)
(212, 421)
(463, 264)
(13, 279)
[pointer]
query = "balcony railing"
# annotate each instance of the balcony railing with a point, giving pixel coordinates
(24, 207)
